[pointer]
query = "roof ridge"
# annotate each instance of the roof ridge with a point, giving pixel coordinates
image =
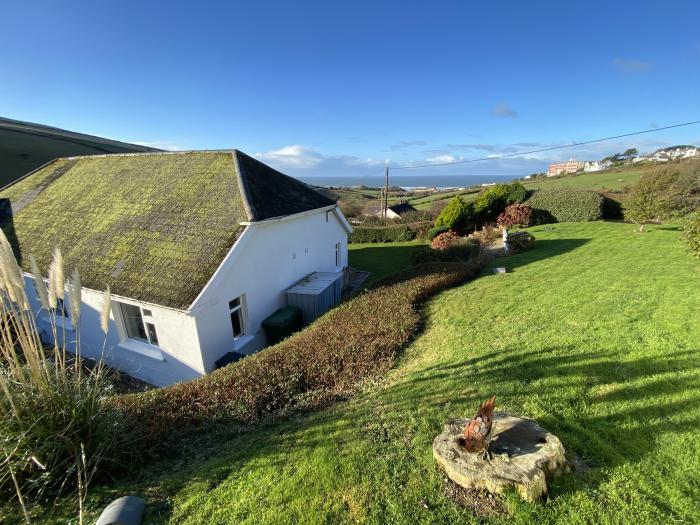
(243, 186)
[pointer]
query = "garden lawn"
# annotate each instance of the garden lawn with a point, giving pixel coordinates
(595, 333)
(382, 259)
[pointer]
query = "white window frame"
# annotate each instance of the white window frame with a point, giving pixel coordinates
(338, 255)
(146, 319)
(240, 310)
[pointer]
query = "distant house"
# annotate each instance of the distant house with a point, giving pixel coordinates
(596, 165)
(198, 249)
(570, 166)
(397, 210)
(25, 146)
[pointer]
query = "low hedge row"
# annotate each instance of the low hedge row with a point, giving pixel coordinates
(351, 343)
(566, 205)
(394, 233)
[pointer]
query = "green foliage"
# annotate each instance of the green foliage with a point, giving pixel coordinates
(691, 234)
(493, 201)
(516, 192)
(357, 340)
(399, 233)
(437, 230)
(664, 194)
(462, 250)
(566, 205)
(455, 215)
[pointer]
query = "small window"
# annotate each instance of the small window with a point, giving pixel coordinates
(138, 324)
(337, 254)
(60, 309)
(236, 312)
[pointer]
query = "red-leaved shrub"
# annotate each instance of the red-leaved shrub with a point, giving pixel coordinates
(444, 240)
(516, 216)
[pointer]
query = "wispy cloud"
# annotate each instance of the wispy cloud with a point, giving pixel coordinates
(407, 144)
(306, 160)
(631, 66)
(503, 111)
(439, 159)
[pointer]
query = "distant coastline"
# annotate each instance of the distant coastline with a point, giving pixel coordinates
(409, 181)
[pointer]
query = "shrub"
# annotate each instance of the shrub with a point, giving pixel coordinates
(399, 233)
(462, 250)
(444, 240)
(56, 431)
(566, 205)
(519, 241)
(437, 230)
(353, 342)
(493, 201)
(516, 193)
(691, 234)
(664, 194)
(516, 215)
(456, 215)
(486, 235)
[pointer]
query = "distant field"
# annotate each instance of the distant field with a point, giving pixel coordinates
(616, 179)
(606, 180)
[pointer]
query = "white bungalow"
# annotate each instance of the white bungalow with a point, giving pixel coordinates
(198, 249)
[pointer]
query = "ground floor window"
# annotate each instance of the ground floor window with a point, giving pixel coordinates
(337, 254)
(236, 312)
(138, 323)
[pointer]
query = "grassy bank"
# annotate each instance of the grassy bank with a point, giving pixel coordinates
(594, 333)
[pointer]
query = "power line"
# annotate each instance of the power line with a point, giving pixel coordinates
(573, 144)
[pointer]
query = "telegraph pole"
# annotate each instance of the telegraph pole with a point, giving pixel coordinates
(386, 192)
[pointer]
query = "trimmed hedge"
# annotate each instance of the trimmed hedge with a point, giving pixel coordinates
(353, 342)
(437, 230)
(566, 205)
(397, 233)
(391, 233)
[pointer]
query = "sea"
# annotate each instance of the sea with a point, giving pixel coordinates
(409, 182)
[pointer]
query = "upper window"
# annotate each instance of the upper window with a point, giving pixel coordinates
(236, 312)
(138, 324)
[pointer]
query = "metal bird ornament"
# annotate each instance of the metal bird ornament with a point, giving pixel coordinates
(477, 433)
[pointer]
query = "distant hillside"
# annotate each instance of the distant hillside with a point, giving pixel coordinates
(24, 146)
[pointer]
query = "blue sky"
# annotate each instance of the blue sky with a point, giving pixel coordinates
(330, 88)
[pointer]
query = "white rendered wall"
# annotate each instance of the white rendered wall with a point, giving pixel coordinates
(177, 357)
(268, 258)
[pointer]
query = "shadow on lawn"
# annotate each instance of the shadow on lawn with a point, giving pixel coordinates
(588, 397)
(543, 249)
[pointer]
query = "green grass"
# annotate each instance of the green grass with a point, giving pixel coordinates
(606, 180)
(594, 333)
(382, 259)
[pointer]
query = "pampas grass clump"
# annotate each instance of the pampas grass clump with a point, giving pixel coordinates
(56, 432)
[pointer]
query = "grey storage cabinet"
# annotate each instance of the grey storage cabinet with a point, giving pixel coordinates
(315, 294)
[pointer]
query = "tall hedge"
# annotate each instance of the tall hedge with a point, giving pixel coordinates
(351, 343)
(691, 234)
(566, 205)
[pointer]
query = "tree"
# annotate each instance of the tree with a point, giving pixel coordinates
(630, 154)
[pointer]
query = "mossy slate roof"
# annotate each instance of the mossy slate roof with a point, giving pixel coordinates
(152, 226)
